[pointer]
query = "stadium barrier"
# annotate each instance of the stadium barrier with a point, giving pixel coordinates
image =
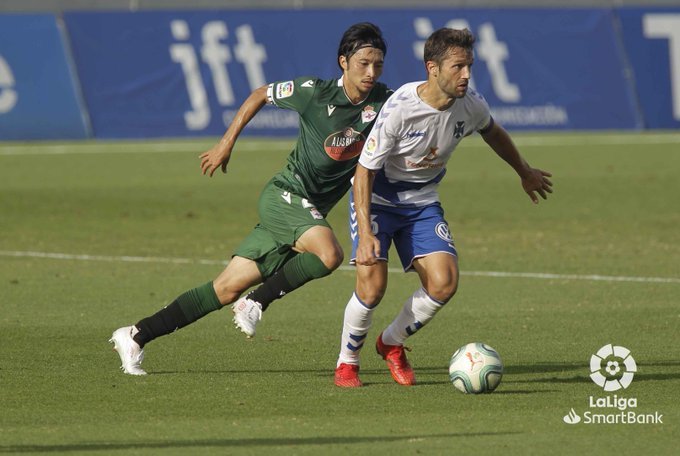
(38, 90)
(184, 73)
(652, 43)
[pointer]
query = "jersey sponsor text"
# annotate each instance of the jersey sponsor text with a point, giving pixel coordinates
(344, 145)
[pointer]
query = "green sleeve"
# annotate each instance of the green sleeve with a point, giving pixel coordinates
(294, 95)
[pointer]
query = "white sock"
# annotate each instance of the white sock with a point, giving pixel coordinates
(418, 310)
(354, 329)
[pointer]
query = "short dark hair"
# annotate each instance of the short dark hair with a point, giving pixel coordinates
(440, 43)
(359, 36)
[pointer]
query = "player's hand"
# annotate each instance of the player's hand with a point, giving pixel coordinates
(215, 158)
(368, 250)
(537, 182)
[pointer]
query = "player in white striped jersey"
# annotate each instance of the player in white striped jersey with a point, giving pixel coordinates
(395, 199)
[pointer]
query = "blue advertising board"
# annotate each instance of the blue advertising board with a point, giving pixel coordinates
(652, 40)
(544, 68)
(37, 92)
(185, 73)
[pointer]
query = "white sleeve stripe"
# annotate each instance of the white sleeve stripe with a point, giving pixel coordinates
(270, 95)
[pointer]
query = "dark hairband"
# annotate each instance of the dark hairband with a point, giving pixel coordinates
(358, 48)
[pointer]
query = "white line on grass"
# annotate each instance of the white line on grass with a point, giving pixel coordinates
(606, 139)
(501, 274)
(265, 144)
(102, 148)
(115, 259)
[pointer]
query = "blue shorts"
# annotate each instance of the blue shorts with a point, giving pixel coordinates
(416, 232)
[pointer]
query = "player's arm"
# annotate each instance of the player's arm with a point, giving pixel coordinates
(219, 154)
(533, 180)
(374, 154)
(369, 246)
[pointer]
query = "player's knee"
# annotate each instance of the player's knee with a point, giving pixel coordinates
(228, 289)
(225, 292)
(442, 288)
(332, 258)
(442, 294)
(371, 284)
(239, 275)
(370, 296)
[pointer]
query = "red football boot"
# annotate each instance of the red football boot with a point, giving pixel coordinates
(395, 357)
(347, 376)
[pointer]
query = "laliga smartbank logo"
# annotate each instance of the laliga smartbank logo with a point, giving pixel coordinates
(612, 368)
(618, 366)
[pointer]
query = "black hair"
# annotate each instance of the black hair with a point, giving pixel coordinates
(440, 43)
(359, 36)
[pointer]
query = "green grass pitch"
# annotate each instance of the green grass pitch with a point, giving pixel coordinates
(94, 236)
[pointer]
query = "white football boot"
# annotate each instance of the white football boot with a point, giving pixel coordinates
(131, 355)
(247, 313)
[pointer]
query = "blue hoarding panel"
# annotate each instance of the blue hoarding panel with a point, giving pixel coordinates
(652, 40)
(37, 92)
(179, 73)
(539, 68)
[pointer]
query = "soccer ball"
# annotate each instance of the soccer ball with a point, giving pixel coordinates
(475, 368)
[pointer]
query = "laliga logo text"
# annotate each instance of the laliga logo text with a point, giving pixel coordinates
(612, 368)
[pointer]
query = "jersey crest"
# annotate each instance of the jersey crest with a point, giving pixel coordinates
(368, 114)
(459, 129)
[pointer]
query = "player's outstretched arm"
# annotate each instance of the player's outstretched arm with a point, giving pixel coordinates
(369, 246)
(534, 181)
(218, 155)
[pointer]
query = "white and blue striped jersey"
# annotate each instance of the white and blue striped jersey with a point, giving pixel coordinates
(412, 142)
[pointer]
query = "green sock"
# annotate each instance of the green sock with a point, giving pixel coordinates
(303, 268)
(199, 302)
(297, 272)
(186, 309)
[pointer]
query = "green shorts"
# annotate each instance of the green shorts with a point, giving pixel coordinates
(284, 217)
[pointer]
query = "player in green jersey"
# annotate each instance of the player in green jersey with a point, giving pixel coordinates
(293, 243)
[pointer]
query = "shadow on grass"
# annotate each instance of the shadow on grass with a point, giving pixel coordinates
(234, 443)
(539, 368)
(503, 391)
(582, 369)
(586, 378)
(513, 369)
(584, 372)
